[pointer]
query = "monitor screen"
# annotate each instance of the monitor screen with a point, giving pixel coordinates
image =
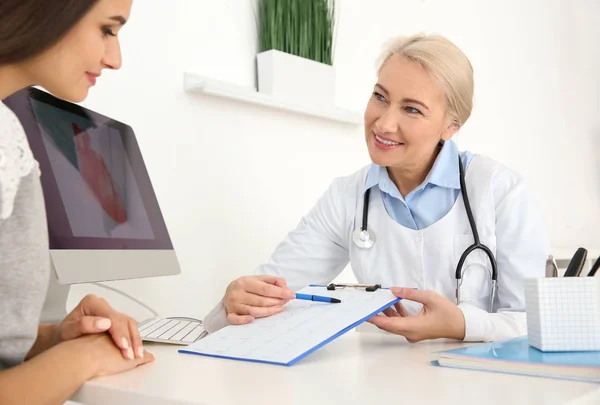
(97, 190)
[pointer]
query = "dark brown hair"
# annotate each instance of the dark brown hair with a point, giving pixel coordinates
(30, 27)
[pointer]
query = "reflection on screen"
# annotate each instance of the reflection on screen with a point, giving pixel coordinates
(94, 176)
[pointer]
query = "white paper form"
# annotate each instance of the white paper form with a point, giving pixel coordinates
(301, 328)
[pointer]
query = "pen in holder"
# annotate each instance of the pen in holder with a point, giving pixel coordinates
(563, 313)
(576, 264)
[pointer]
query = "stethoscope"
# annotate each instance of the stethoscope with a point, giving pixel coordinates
(365, 239)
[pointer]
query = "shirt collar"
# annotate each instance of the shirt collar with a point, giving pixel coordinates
(375, 172)
(444, 173)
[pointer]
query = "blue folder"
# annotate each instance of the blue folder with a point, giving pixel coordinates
(516, 356)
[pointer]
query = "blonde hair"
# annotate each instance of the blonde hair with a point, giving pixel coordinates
(445, 62)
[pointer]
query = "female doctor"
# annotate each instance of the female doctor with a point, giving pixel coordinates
(407, 219)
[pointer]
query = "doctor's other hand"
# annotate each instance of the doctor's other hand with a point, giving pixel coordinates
(439, 318)
(251, 297)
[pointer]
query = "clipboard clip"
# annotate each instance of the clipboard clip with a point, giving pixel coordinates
(341, 286)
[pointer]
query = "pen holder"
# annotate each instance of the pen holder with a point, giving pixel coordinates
(563, 313)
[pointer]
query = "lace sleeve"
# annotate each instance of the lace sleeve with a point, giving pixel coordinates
(16, 159)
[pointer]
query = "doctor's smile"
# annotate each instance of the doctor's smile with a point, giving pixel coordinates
(385, 143)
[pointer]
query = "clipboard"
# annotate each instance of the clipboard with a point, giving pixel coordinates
(299, 330)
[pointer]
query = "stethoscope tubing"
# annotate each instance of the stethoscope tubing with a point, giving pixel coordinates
(363, 239)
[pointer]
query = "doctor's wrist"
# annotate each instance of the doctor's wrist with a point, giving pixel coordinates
(458, 326)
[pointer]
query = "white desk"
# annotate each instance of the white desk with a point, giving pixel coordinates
(357, 368)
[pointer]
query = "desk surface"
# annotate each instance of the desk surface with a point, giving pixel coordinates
(357, 368)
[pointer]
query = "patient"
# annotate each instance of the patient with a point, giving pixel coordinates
(63, 46)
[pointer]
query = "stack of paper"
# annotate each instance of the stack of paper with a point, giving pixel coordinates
(516, 356)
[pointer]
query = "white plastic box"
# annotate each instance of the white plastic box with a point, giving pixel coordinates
(563, 313)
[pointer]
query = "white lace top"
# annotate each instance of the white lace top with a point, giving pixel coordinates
(16, 159)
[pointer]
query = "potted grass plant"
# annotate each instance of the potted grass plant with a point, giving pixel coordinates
(294, 62)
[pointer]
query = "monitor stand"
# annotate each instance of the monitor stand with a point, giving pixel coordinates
(55, 306)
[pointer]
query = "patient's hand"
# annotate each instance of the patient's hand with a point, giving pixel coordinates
(94, 315)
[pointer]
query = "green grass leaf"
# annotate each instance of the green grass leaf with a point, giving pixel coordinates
(300, 27)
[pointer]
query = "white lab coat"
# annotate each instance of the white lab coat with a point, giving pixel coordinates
(508, 220)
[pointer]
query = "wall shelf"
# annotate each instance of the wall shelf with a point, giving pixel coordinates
(197, 84)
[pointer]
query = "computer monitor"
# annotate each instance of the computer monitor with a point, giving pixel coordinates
(104, 220)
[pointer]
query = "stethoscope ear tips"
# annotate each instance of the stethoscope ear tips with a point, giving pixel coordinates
(363, 239)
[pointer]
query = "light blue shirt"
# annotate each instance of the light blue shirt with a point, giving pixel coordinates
(432, 199)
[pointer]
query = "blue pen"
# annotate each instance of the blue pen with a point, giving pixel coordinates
(319, 298)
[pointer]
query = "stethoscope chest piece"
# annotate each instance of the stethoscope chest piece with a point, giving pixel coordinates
(363, 239)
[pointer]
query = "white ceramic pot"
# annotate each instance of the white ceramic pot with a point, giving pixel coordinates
(291, 78)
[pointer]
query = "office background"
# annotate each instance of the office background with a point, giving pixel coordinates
(232, 179)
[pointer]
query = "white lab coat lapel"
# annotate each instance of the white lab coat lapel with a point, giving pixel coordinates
(427, 258)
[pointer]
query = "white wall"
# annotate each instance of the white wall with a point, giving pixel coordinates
(232, 178)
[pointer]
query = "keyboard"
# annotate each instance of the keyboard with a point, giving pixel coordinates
(178, 331)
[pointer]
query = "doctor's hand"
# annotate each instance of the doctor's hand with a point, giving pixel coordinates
(439, 318)
(94, 315)
(253, 297)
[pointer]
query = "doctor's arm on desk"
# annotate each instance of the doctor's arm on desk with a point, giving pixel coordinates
(315, 252)
(521, 252)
